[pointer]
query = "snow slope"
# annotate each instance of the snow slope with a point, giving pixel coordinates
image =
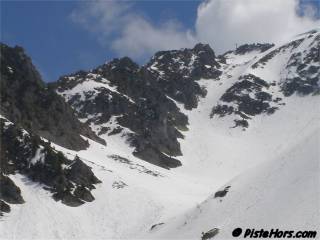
(216, 150)
(281, 193)
(129, 199)
(272, 168)
(274, 164)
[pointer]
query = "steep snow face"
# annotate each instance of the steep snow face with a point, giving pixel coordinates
(217, 149)
(273, 161)
(281, 193)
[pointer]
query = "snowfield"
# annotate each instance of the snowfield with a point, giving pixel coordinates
(272, 169)
(281, 193)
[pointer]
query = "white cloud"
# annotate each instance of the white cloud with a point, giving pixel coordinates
(140, 38)
(104, 18)
(118, 26)
(221, 23)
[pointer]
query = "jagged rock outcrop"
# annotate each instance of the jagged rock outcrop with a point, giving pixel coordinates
(176, 72)
(25, 153)
(4, 208)
(122, 95)
(246, 49)
(9, 192)
(258, 47)
(122, 92)
(27, 101)
(246, 98)
(303, 70)
(298, 71)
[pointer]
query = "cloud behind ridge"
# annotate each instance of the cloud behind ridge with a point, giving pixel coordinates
(221, 23)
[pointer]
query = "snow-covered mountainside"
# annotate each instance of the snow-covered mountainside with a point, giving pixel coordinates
(279, 72)
(283, 193)
(21, 152)
(120, 97)
(194, 141)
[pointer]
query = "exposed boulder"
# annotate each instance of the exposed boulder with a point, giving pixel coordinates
(222, 193)
(210, 234)
(81, 174)
(83, 193)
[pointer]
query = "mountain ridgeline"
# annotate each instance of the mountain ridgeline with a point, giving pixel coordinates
(27, 101)
(30, 110)
(142, 99)
(146, 107)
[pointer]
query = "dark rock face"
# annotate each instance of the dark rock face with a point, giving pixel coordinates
(82, 175)
(262, 62)
(137, 105)
(27, 101)
(303, 71)
(303, 68)
(69, 181)
(140, 99)
(9, 192)
(176, 72)
(246, 48)
(155, 157)
(251, 95)
(4, 208)
(249, 98)
(83, 193)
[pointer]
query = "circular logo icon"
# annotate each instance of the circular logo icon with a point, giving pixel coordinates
(236, 232)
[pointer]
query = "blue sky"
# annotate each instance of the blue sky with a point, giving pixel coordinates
(59, 45)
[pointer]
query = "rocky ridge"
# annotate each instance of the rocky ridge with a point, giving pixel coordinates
(144, 105)
(298, 64)
(70, 181)
(26, 100)
(141, 100)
